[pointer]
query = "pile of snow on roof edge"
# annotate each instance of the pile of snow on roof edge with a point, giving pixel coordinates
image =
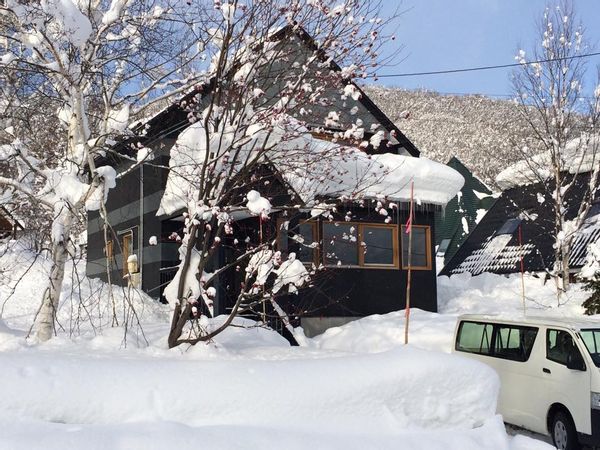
(314, 169)
(580, 155)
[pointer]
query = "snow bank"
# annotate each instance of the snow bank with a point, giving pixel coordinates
(497, 294)
(459, 294)
(247, 389)
(86, 305)
(379, 333)
(169, 435)
(382, 392)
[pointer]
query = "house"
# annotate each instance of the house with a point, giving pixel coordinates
(145, 210)
(454, 222)
(9, 225)
(520, 225)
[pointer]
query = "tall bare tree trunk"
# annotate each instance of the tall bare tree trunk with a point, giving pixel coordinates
(46, 318)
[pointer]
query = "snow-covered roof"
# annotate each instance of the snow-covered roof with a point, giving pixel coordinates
(580, 155)
(313, 168)
(588, 234)
(354, 174)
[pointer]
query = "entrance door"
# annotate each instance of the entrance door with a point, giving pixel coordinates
(567, 386)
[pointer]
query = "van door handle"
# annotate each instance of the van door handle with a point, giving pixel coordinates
(546, 370)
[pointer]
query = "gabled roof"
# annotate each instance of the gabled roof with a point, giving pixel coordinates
(173, 119)
(494, 246)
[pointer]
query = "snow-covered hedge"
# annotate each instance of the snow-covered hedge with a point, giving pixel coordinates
(403, 388)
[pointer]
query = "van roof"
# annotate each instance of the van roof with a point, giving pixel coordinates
(575, 323)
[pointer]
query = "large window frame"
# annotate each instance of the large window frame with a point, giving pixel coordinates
(428, 254)
(316, 257)
(495, 344)
(561, 356)
(360, 249)
(126, 237)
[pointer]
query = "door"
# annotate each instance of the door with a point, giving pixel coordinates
(563, 385)
(517, 349)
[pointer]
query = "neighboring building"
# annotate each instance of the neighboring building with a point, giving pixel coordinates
(9, 225)
(145, 217)
(520, 224)
(460, 216)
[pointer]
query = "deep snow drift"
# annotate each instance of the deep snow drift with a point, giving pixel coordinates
(357, 386)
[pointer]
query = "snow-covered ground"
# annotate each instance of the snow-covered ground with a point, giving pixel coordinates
(356, 386)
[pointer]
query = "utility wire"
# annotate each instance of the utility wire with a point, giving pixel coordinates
(474, 69)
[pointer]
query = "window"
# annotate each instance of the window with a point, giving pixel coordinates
(504, 341)
(360, 245)
(509, 226)
(306, 237)
(340, 244)
(514, 342)
(591, 339)
(474, 337)
(560, 346)
(443, 247)
(420, 258)
(303, 240)
(127, 248)
(381, 244)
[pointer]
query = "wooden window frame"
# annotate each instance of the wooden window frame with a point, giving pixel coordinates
(395, 246)
(360, 248)
(429, 265)
(316, 238)
(124, 256)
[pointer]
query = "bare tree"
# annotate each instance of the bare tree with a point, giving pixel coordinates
(563, 117)
(81, 69)
(272, 88)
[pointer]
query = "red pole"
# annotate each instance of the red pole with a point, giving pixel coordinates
(522, 269)
(410, 221)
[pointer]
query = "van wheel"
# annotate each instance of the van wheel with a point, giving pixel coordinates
(564, 434)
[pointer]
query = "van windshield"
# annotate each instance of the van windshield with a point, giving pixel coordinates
(591, 339)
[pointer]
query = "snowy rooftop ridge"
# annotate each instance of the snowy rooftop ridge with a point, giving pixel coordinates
(358, 175)
(578, 157)
(313, 168)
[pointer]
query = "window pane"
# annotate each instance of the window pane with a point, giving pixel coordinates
(419, 247)
(510, 226)
(591, 339)
(514, 342)
(380, 245)
(559, 345)
(340, 244)
(474, 337)
(306, 240)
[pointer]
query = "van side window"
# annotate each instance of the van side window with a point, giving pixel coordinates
(474, 337)
(514, 342)
(559, 345)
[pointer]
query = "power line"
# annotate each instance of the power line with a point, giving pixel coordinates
(463, 94)
(474, 69)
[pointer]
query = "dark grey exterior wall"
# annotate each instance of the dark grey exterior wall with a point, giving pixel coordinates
(131, 205)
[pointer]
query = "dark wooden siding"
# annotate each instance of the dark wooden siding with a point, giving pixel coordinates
(537, 231)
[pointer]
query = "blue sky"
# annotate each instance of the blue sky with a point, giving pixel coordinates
(449, 34)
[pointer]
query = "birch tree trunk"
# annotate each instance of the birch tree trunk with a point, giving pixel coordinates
(46, 318)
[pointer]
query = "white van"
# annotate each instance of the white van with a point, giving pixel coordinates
(549, 372)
